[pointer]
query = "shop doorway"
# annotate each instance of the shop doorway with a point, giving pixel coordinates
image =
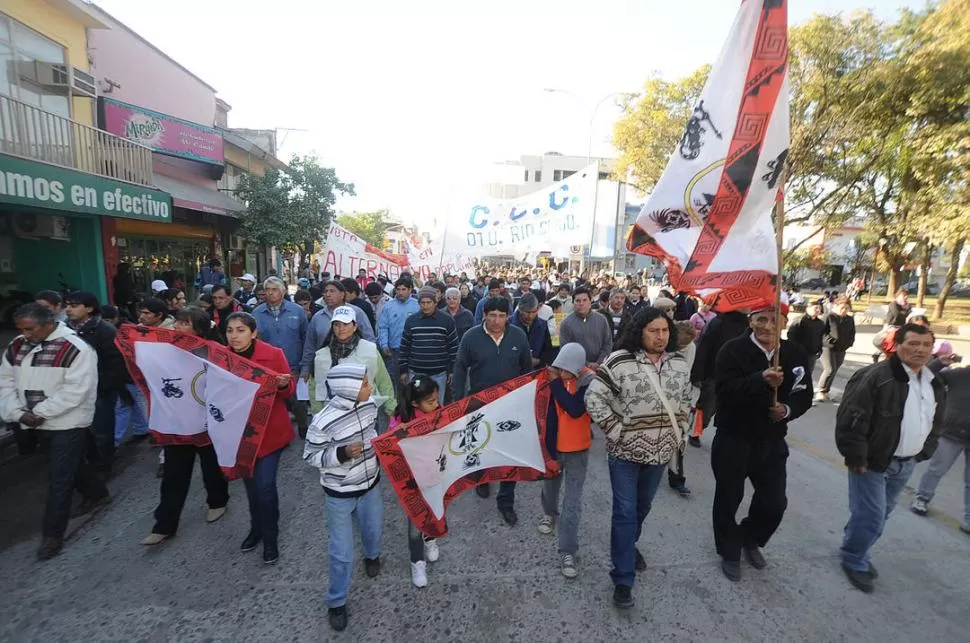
(174, 261)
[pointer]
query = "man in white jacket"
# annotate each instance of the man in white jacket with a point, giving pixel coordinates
(49, 383)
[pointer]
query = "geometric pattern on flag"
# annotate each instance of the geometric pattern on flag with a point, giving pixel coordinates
(252, 435)
(402, 478)
(691, 220)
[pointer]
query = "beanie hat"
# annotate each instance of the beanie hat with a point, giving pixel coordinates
(344, 380)
(571, 358)
(428, 293)
(664, 304)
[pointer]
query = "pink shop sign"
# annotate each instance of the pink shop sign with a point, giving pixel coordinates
(164, 134)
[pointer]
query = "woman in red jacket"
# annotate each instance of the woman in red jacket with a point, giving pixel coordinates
(264, 504)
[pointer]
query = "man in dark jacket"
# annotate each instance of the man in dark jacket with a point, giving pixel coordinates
(954, 438)
(720, 330)
(616, 313)
(838, 338)
(223, 305)
(807, 332)
(899, 309)
(540, 341)
(890, 419)
(488, 355)
(755, 403)
(84, 318)
(686, 307)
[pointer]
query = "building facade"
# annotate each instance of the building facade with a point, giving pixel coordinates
(62, 181)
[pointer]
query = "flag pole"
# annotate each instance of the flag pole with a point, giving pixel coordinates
(779, 220)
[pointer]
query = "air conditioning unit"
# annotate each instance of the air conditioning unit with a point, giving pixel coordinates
(77, 81)
(236, 242)
(33, 226)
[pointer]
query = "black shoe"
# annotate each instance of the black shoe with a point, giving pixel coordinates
(754, 556)
(251, 541)
(87, 506)
(694, 441)
(731, 569)
(509, 516)
(873, 572)
(338, 618)
(372, 567)
(482, 490)
(622, 597)
(641, 564)
(683, 490)
(860, 580)
(271, 553)
(49, 548)
(135, 439)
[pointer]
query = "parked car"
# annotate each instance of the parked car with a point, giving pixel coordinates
(815, 283)
(912, 287)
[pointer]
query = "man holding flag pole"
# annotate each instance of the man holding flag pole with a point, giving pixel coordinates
(709, 220)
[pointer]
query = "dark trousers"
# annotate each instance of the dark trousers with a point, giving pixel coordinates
(506, 495)
(300, 408)
(831, 362)
(101, 442)
(264, 501)
(733, 460)
(67, 471)
(176, 479)
(416, 542)
(706, 402)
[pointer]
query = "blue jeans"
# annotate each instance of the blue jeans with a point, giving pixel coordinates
(264, 501)
(135, 414)
(872, 497)
(634, 486)
(441, 379)
(369, 511)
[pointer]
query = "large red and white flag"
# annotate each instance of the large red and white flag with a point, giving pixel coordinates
(497, 435)
(200, 392)
(709, 217)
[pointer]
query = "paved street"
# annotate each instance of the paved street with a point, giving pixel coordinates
(492, 583)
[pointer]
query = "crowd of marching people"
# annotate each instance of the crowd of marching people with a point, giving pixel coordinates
(649, 375)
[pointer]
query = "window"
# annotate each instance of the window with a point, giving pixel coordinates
(557, 175)
(538, 175)
(567, 173)
(19, 43)
(527, 176)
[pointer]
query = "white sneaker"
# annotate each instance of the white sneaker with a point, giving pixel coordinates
(431, 552)
(546, 525)
(419, 576)
(568, 566)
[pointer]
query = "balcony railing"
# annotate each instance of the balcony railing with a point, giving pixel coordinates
(33, 133)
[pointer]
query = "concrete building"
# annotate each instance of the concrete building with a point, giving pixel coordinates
(63, 183)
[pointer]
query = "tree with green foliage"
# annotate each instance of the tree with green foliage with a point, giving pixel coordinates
(369, 226)
(292, 208)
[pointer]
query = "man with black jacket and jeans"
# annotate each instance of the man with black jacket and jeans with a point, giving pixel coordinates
(724, 327)
(84, 318)
(807, 332)
(755, 403)
(890, 419)
(838, 338)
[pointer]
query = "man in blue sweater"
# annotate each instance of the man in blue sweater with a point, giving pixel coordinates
(390, 325)
(429, 344)
(488, 355)
(494, 290)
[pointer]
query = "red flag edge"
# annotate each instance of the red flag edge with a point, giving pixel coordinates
(129, 334)
(388, 449)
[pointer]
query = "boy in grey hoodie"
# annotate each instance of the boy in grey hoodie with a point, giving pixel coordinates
(338, 443)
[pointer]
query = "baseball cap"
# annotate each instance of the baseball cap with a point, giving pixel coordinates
(158, 285)
(248, 277)
(343, 314)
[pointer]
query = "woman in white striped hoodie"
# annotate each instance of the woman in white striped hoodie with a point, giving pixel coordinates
(338, 443)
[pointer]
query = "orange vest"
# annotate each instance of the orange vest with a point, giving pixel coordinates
(575, 434)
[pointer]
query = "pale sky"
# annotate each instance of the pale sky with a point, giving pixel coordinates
(413, 101)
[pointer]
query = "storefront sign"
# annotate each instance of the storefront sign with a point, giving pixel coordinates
(39, 185)
(164, 134)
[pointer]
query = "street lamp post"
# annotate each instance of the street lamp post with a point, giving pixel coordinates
(589, 160)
